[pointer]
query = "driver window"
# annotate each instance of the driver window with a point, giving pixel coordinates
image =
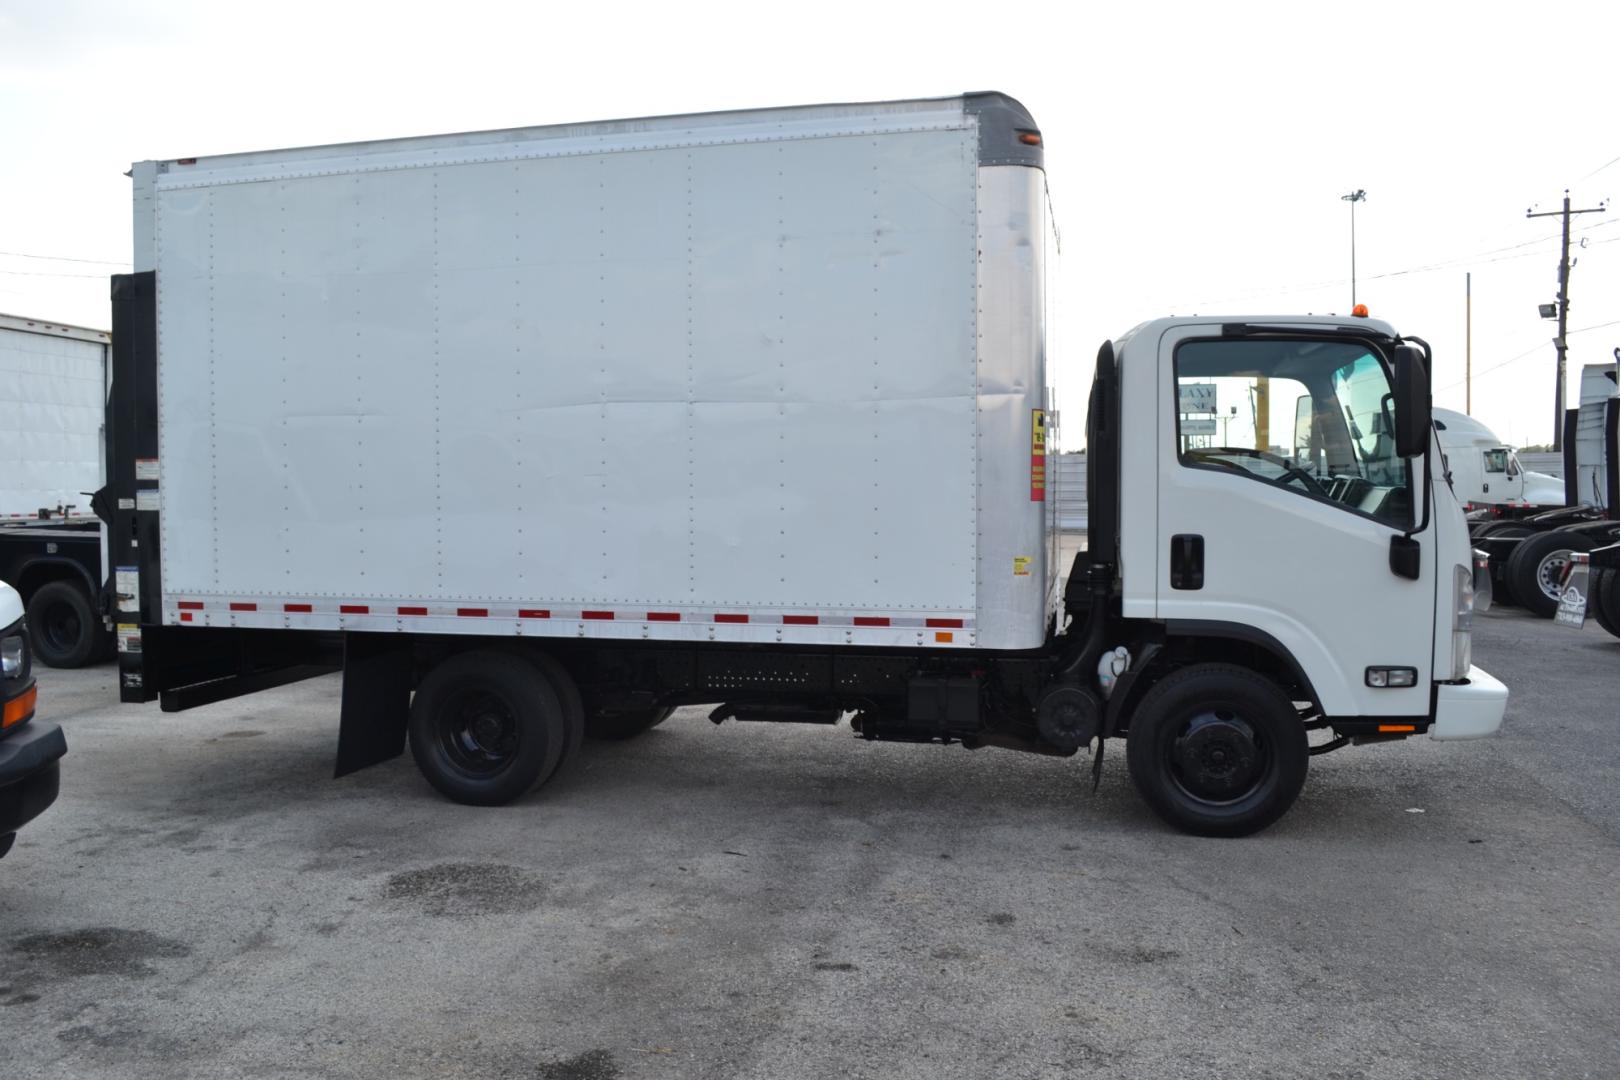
(1496, 461)
(1312, 417)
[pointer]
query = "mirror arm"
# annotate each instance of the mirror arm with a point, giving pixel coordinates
(1405, 554)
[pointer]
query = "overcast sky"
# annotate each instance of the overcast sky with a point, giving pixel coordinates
(1196, 152)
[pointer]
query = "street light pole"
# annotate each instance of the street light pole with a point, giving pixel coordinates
(1354, 197)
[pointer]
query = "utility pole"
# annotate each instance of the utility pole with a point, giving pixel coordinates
(1354, 197)
(1559, 342)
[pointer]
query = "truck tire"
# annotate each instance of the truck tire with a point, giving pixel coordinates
(65, 630)
(486, 727)
(1535, 568)
(1217, 750)
(618, 726)
(1603, 599)
(573, 707)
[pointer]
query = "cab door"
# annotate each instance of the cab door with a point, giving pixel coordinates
(1276, 513)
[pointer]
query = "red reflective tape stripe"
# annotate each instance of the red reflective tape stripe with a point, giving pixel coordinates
(473, 612)
(244, 607)
(413, 611)
(534, 613)
(299, 609)
(871, 620)
(663, 616)
(801, 620)
(596, 614)
(731, 618)
(354, 609)
(191, 605)
(947, 624)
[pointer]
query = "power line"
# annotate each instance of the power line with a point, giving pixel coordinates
(64, 258)
(1532, 350)
(1599, 169)
(47, 273)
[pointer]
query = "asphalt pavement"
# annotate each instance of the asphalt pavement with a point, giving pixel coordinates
(770, 901)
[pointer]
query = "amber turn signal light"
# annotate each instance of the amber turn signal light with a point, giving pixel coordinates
(1030, 138)
(19, 708)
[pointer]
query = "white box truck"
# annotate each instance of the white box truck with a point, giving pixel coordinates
(54, 400)
(541, 433)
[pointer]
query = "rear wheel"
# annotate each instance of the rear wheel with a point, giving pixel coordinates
(1217, 750)
(64, 627)
(1603, 599)
(573, 706)
(1535, 570)
(627, 724)
(486, 727)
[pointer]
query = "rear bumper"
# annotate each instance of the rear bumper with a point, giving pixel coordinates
(1470, 709)
(29, 774)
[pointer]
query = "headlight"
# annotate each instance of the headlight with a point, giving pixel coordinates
(11, 656)
(1462, 621)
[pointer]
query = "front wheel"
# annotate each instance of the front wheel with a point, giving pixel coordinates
(486, 727)
(1217, 750)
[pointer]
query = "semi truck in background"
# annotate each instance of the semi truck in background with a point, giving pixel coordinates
(541, 433)
(1486, 473)
(51, 461)
(1530, 556)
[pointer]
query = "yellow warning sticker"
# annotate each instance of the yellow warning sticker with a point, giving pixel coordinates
(1021, 565)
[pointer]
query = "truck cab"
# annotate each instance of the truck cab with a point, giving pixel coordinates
(1285, 546)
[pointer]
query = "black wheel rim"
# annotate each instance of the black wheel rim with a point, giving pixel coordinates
(60, 628)
(478, 732)
(1218, 757)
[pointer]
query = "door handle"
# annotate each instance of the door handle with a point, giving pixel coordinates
(1186, 561)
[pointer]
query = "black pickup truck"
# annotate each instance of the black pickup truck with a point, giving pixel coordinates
(29, 750)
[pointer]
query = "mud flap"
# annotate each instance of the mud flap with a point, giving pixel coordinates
(376, 700)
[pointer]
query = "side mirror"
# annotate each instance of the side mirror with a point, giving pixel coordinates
(1412, 420)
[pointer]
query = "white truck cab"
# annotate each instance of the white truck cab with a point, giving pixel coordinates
(1486, 472)
(1280, 510)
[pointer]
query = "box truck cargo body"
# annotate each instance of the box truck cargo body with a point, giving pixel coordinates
(540, 431)
(52, 407)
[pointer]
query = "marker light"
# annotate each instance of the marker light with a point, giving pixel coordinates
(1031, 138)
(19, 708)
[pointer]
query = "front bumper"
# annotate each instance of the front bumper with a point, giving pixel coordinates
(29, 774)
(1470, 709)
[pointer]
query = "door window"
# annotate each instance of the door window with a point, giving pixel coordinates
(1313, 417)
(1496, 461)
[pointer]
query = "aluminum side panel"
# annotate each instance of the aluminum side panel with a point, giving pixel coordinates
(1012, 555)
(728, 374)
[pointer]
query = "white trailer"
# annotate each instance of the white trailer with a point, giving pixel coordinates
(560, 428)
(52, 413)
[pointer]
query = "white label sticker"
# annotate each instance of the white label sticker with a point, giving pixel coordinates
(127, 583)
(146, 468)
(126, 504)
(148, 499)
(129, 638)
